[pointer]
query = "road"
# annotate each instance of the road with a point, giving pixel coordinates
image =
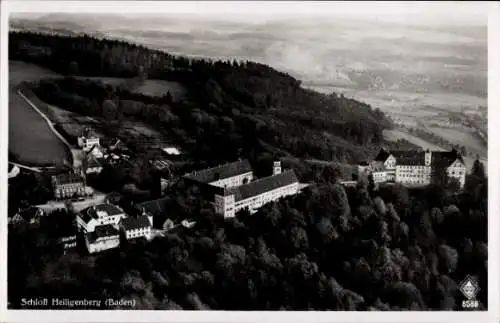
(53, 205)
(33, 169)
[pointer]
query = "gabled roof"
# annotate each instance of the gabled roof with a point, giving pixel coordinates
(220, 172)
(262, 185)
(91, 212)
(68, 178)
(92, 161)
(102, 231)
(445, 158)
(382, 155)
(132, 223)
(154, 207)
(409, 157)
(29, 213)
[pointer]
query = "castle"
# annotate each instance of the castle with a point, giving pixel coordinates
(232, 187)
(415, 168)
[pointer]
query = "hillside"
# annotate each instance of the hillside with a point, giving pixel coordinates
(260, 102)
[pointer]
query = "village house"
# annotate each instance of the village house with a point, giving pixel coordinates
(29, 215)
(13, 170)
(92, 164)
(68, 186)
(91, 218)
(416, 168)
(88, 140)
(188, 223)
(155, 208)
(136, 227)
(168, 225)
(104, 237)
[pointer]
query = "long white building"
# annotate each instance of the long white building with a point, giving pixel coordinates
(415, 167)
(235, 188)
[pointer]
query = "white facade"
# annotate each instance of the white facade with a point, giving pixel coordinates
(228, 207)
(14, 171)
(234, 181)
(413, 174)
(103, 243)
(457, 170)
(138, 232)
(86, 143)
(84, 226)
(416, 171)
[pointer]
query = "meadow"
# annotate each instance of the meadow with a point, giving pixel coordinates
(30, 138)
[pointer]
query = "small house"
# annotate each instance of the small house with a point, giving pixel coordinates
(30, 215)
(136, 227)
(104, 237)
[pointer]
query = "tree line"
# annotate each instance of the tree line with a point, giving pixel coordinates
(330, 248)
(228, 103)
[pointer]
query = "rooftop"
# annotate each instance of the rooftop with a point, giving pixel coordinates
(102, 231)
(92, 161)
(68, 178)
(171, 151)
(29, 213)
(132, 223)
(154, 207)
(220, 172)
(91, 212)
(445, 158)
(417, 158)
(262, 185)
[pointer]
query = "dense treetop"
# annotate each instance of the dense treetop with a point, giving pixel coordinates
(330, 248)
(238, 105)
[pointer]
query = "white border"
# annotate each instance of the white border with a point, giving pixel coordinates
(235, 10)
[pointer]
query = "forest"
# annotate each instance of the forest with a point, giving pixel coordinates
(330, 248)
(237, 105)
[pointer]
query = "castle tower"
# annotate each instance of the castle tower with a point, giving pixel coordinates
(276, 168)
(428, 157)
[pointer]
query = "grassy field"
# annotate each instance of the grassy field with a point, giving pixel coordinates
(141, 128)
(30, 137)
(394, 135)
(160, 88)
(462, 137)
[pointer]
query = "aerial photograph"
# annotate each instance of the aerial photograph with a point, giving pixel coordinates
(325, 160)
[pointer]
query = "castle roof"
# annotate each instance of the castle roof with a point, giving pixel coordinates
(220, 172)
(262, 185)
(417, 157)
(132, 223)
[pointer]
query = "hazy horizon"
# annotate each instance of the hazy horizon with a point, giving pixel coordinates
(386, 55)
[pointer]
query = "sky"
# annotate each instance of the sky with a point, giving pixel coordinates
(435, 12)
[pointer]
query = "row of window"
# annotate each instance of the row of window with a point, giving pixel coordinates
(262, 199)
